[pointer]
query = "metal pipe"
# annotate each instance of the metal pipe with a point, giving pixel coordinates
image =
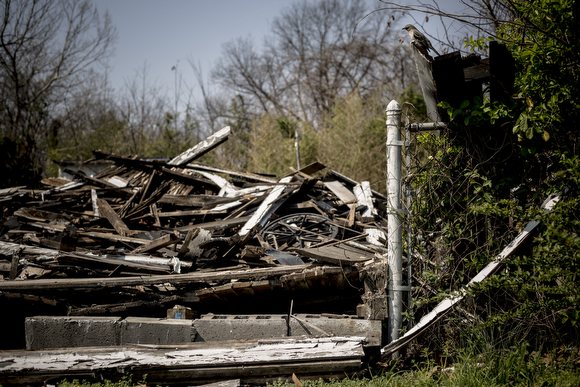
(394, 238)
(419, 127)
(408, 195)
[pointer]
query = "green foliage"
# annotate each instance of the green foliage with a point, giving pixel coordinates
(272, 149)
(514, 366)
(414, 107)
(545, 43)
(544, 282)
(486, 177)
(125, 381)
(478, 112)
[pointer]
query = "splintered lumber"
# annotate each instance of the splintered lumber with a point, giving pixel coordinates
(338, 255)
(206, 361)
(312, 168)
(113, 237)
(341, 192)
(243, 175)
(165, 240)
(68, 283)
(447, 304)
(268, 206)
(352, 182)
(9, 249)
(106, 211)
(201, 148)
(218, 224)
(202, 201)
(364, 195)
(119, 307)
(132, 263)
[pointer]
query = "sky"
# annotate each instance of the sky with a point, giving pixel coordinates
(160, 34)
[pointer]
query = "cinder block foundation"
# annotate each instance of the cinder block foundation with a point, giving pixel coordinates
(141, 330)
(44, 332)
(239, 327)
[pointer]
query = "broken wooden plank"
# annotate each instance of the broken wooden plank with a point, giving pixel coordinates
(191, 361)
(341, 192)
(268, 206)
(202, 147)
(112, 262)
(203, 201)
(364, 197)
(113, 237)
(338, 255)
(447, 304)
(216, 225)
(106, 211)
(8, 249)
(243, 175)
(352, 182)
(190, 213)
(68, 283)
(165, 240)
(14, 265)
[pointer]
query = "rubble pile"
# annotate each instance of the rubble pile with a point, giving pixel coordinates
(141, 236)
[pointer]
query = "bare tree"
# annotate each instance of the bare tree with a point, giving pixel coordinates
(46, 50)
(470, 18)
(143, 110)
(314, 57)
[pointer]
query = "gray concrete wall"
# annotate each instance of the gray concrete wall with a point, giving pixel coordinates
(43, 332)
(60, 332)
(239, 327)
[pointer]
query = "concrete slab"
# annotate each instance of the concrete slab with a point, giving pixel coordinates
(141, 330)
(238, 327)
(43, 332)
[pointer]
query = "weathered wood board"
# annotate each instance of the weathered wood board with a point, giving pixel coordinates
(202, 148)
(191, 361)
(338, 255)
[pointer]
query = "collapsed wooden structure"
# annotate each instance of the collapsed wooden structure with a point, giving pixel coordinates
(141, 237)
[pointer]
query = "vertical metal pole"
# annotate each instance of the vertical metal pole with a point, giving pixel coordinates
(297, 145)
(394, 239)
(408, 194)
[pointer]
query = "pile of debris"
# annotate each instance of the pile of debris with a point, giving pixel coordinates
(141, 237)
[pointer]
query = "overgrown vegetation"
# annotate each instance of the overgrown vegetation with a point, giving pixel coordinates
(487, 175)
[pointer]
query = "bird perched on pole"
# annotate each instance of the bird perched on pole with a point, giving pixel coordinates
(419, 38)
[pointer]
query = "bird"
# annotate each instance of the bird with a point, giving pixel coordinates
(419, 38)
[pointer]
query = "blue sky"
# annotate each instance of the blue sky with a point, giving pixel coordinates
(169, 33)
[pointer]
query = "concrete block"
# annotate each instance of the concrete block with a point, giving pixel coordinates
(44, 332)
(238, 327)
(141, 330)
(346, 326)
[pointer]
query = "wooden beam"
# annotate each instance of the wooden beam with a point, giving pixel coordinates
(106, 211)
(267, 207)
(70, 283)
(205, 361)
(165, 240)
(201, 148)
